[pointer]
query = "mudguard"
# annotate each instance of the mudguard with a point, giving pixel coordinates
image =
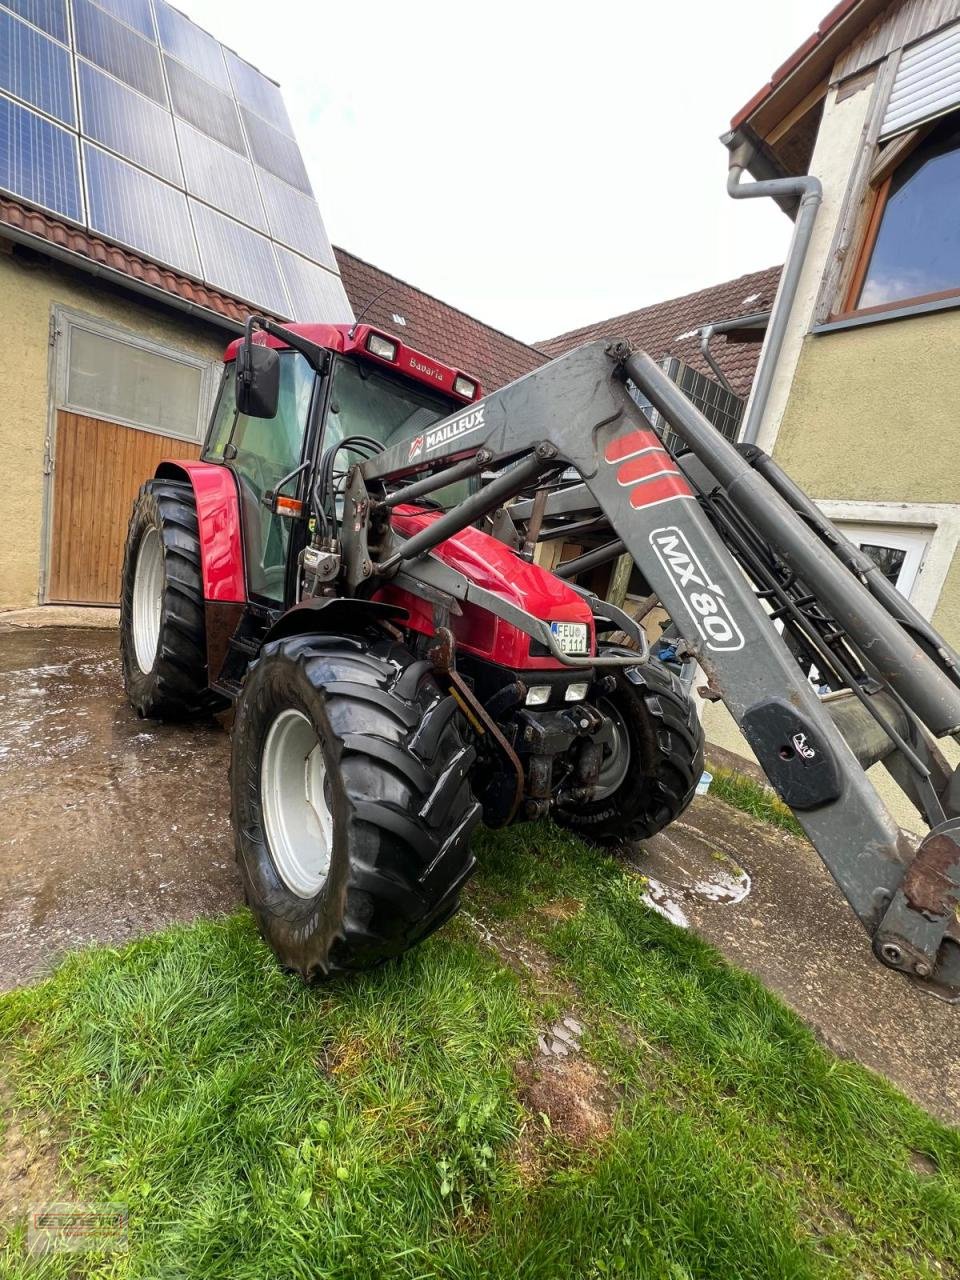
(218, 516)
(332, 615)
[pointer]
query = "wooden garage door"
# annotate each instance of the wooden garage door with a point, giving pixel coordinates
(98, 470)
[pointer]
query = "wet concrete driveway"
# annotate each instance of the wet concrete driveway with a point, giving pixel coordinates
(112, 826)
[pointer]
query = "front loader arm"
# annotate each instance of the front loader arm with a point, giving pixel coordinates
(577, 411)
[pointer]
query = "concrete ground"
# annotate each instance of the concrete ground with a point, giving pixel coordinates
(111, 826)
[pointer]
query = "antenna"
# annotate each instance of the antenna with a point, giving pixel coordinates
(376, 298)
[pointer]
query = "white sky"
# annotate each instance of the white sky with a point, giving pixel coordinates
(540, 165)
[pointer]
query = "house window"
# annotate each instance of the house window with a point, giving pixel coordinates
(119, 377)
(898, 552)
(911, 250)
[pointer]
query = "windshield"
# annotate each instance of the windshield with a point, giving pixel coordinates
(367, 402)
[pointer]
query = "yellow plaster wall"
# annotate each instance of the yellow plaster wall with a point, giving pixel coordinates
(30, 287)
(874, 412)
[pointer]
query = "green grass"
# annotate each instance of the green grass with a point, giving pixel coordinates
(745, 793)
(380, 1127)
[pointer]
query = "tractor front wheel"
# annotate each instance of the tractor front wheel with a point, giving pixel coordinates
(163, 644)
(351, 807)
(652, 763)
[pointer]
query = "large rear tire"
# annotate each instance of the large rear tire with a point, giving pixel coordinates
(163, 644)
(654, 763)
(351, 807)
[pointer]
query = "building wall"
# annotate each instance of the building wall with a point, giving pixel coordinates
(864, 400)
(30, 287)
(838, 144)
(865, 418)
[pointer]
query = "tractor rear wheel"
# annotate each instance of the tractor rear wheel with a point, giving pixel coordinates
(351, 807)
(163, 645)
(651, 768)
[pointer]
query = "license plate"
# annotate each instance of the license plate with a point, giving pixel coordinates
(571, 637)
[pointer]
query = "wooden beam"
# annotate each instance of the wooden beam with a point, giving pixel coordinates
(799, 111)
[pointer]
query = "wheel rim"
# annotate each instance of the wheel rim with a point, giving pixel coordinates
(147, 599)
(297, 821)
(616, 758)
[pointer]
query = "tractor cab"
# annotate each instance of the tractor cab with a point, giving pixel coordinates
(348, 384)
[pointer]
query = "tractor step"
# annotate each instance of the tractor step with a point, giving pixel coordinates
(227, 688)
(246, 645)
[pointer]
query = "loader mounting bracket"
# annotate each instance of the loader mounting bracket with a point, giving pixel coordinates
(795, 757)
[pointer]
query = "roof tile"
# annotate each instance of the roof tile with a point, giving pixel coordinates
(433, 326)
(671, 328)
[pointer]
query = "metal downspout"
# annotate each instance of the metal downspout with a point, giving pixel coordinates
(706, 333)
(810, 193)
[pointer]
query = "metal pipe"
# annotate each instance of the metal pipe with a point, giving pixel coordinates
(465, 513)
(461, 471)
(810, 194)
(890, 648)
(706, 333)
(590, 559)
(709, 331)
(863, 733)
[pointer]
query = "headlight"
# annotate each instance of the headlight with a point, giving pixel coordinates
(380, 346)
(576, 692)
(537, 695)
(464, 387)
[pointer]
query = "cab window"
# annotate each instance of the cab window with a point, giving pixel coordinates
(367, 402)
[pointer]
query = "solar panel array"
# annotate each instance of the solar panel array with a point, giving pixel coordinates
(125, 117)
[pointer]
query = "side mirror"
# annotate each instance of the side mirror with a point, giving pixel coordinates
(258, 380)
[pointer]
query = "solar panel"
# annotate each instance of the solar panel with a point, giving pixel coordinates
(191, 44)
(238, 260)
(255, 91)
(313, 290)
(38, 161)
(135, 13)
(128, 123)
(295, 219)
(118, 49)
(196, 100)
(129, 206)
(48, 15)
(36, 69)
(185, 152)
(273, 150)
(220, 177)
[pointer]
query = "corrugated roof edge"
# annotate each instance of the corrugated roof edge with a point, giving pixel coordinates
(29, 225)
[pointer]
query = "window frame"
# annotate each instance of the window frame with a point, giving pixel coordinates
(66, 321)
(888, 161)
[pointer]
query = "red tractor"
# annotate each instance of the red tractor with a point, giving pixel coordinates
(377, 724)
(352, 563)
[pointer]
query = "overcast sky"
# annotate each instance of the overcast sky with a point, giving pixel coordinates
(540, 165)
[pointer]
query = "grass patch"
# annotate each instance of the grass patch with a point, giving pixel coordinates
(377, 1127)
(744, 793)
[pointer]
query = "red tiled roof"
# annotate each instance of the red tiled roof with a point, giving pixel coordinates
(833, 18)
(443, 331)
(44, 227)
(433, 326)
(670, 328)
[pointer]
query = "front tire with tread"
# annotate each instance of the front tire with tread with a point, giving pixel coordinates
(666, 758)
(396, 771)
